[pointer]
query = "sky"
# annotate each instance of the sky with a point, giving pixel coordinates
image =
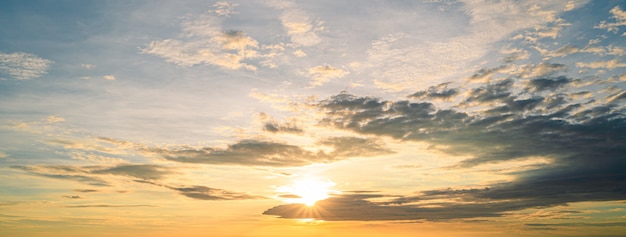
(313, 118)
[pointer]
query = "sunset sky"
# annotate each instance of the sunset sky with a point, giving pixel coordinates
(313, 118)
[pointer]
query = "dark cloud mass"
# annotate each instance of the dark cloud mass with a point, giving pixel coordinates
(585, 144)
(278, 154)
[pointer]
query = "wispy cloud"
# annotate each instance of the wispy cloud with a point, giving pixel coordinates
(224, 8)
(323, 73)
(302, 30)
(202, 41)
(205, 193)
(23, 66)
(272, 153)
(619, 17)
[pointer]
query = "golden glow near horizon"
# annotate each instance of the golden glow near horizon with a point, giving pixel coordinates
(248, 118)
(307, 190)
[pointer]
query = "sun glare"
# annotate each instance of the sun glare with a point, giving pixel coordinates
(308, 190)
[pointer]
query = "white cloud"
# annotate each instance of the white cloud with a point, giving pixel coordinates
(620, 20)
(301, 29)
(23, 66)
(224, 8)
(3, 155)
(109, 77)
(202, 41)
(87, 66)
(611, 64)
(399, 67)
(323, 73)
(54, 119)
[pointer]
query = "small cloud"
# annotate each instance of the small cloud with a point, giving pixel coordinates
(324, 73)
(54, 119)
(570, 6)
(440, 91)
(620, 20)
(611, 64)
(204, 43)
(23, 66)
(85, 190)
(87, 66)
(3, 155)
(301, 29)
(109, 77)
(205, 193)
(299, 53)
(224, 8)
(73, 197)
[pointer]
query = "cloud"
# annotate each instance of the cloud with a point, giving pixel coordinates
(73, 197)
(203, 42)
(96, 175)
(301, 30)
(224, 8)
(542, 84)
(398, 66)
(107, 206)
(23, 66)
(440, 91)
(323, 73)
(544, 116)
(140, 173)
(620, 20)
(270, 125)
(270, 153)
(205, 193)
(448, 204)
(109, 77)
(150, 172)
(65, 173)
(54, 119)
(611, 64)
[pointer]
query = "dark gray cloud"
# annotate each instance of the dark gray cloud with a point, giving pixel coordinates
(275, 127)
(271, 153)
(542, 84)
(205, 193)
(440, 91)
(584, 142)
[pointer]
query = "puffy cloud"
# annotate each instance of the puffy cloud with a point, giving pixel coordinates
(203, 42)
(582, 142)
(224, 8)
(440, 91)
(324, 73)
(620, 20)
(301, 29)
(23, 66)
(542, 84)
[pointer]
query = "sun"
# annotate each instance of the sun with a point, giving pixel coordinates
(307, 190)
